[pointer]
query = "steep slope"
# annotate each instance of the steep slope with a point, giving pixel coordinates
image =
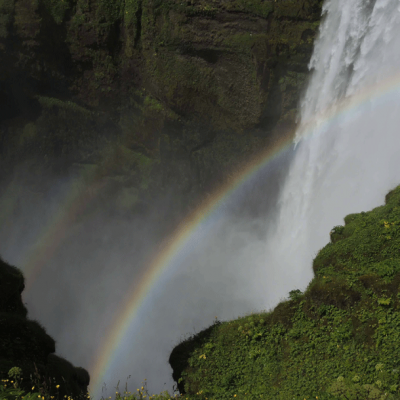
(150, 93)
(25, 344)
(342, 332)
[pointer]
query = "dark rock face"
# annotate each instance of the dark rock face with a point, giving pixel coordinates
(159, 93)
(25, 344)
(139, 97)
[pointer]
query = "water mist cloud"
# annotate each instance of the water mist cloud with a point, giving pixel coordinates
(84, 280)
(240, 264)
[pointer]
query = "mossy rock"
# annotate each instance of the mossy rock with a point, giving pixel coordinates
(345, 323)
(25, 344)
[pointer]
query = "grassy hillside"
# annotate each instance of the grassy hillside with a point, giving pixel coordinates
(346, 324)
(337, 340)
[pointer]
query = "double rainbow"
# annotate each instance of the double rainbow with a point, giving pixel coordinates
(132, 305)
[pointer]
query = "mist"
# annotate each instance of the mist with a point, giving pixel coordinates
(260, 243)
(79, 266)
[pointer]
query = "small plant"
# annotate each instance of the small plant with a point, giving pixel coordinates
(353, 390)
(14, 392)
(337, 230)
(295, 294)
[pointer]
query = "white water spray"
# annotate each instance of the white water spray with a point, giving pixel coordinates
(348, 145)
(346, 160)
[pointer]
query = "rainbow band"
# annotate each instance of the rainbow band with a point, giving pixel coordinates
(170, 250)
(134, 301)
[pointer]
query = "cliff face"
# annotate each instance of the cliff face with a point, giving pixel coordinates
(156, 93)
(25, 344)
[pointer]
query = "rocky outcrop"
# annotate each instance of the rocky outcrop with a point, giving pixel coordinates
(159, 94)
(25, 344)
(337, 339)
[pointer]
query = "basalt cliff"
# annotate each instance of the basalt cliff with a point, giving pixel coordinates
(148, 95)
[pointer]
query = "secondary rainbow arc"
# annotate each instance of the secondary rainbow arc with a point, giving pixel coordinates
(134, 301)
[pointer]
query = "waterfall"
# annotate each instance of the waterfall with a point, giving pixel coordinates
(347, 147)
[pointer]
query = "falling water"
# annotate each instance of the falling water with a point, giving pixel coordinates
(348, 144)
(346, 159)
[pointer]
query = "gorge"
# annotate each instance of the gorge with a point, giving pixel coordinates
(131, 200)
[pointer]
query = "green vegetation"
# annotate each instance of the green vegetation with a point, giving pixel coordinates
(244, 42)
(293, 79)
(345, 324)
(195, 71)
(50, 102)
(11, 391)
(57, 9)
(260, 8)
(337, 340)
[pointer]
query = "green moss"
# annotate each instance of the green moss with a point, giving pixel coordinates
(77, 20)
(108, 11)
(297, 9)
(242, 41)
(6, 11)
(57, 9)
(292, 79)
(257, 7)
(50, 102)
(131, 8)
(199, 11)
(152, 105)
(83, 6)
(287, 8)
(289, 33)
(130, 17)
(177, 72)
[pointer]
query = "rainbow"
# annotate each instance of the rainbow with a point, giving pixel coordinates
(54, 232)
(180, 238)
(177, 243)
(169, 251)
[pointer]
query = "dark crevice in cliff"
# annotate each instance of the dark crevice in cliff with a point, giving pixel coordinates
(114, 43)
(263, 74)
(209, 55)
(9, 108)
(138, 34)
(272, 112)
(53, 50)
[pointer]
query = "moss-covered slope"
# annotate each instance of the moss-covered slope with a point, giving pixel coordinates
(196, 86)
(342, 332)
(26, 345)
